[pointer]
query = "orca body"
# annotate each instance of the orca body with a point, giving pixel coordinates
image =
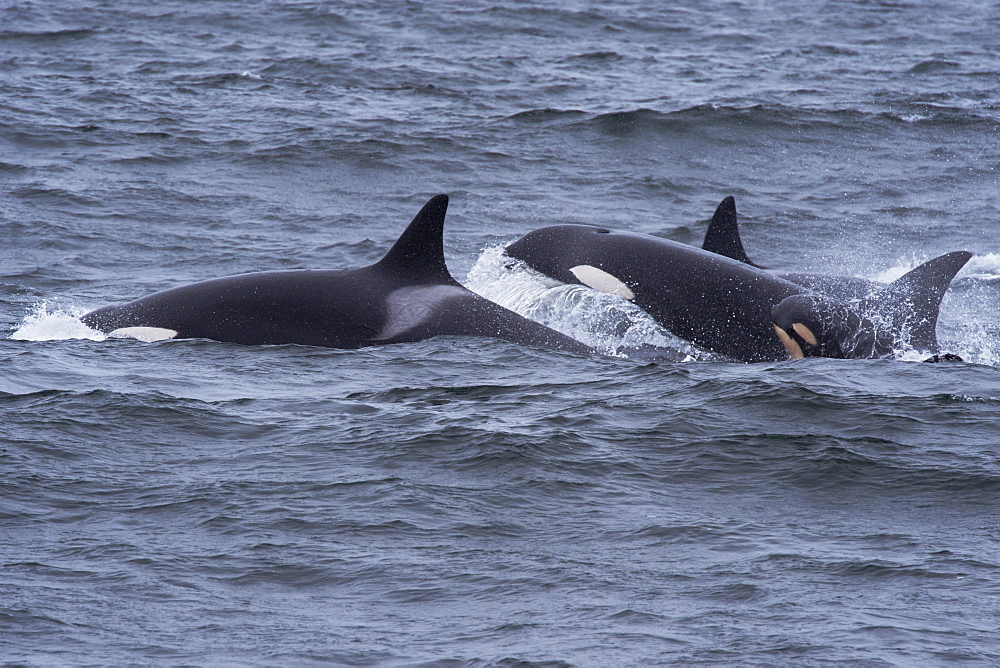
(922, 287)
(713, 301)
(733, 307)
(407, 296)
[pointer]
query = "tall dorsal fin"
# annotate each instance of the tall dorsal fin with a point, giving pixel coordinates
(419, 251)
(723, 236)
(922, 290)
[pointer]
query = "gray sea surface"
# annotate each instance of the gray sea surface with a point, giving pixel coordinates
(472, 502)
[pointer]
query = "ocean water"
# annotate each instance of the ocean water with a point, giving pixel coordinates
(467, 501)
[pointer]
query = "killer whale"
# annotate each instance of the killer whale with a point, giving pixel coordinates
(409, 295)
(837, 325)
(830, 322)
(734, 308)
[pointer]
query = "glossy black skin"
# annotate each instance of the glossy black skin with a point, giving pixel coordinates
(723, 238)
(906, 309)
(713, 301)
(840, 331)
(333, 309)
(730, 307)
(407, 296)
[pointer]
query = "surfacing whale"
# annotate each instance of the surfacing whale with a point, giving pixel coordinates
(735, 308)
(407, 296)
(924, 284)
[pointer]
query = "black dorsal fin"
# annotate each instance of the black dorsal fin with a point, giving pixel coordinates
(922, 289)
(723, 236)
(419, 251)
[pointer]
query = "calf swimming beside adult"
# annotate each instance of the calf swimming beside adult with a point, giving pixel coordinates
(408, 295)
(734, 308)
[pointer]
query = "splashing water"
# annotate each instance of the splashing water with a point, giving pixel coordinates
(969, 320)
(603, 321)
(49, 321)
(969, 323)
(984, 268)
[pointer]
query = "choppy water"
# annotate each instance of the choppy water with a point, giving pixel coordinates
(471, 502)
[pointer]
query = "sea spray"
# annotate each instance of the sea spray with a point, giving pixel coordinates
(51, 321)
(603, 321)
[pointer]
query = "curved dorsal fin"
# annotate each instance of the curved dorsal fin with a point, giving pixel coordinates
(922, 290)
(723, 236)
(419, 251)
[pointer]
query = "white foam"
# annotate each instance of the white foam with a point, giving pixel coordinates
(603, 321)
(967, 318)
(52, 322)
(967, 323)
(606, 321)
(983, 267)
(899, 268)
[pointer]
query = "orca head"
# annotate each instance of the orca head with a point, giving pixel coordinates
(902, 313)
(551, 250)
(810, 326)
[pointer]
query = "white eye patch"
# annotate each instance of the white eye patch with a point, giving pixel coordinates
(601, 280)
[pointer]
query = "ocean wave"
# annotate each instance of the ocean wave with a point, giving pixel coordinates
(546, 115)
(762, 117)
(243, 79)
(40, 192)
(934, 66)
(12, 168)
(984, 267)
(47, 36)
